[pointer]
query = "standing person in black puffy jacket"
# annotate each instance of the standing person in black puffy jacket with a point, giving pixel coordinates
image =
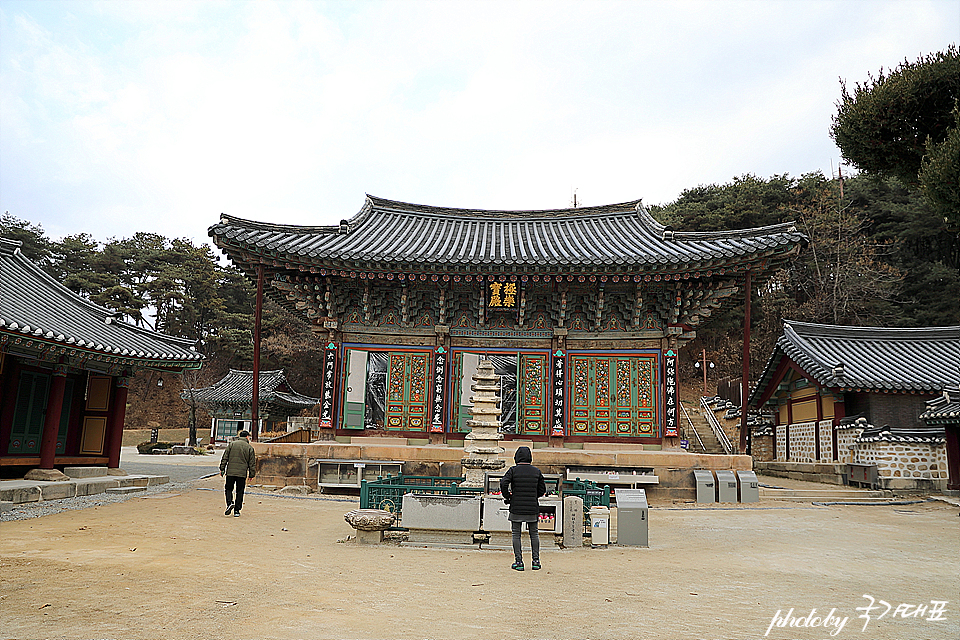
(521, 486)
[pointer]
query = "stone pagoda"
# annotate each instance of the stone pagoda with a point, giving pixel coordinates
(482, 444)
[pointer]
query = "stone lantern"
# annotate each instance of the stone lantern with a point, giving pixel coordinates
(482, 444)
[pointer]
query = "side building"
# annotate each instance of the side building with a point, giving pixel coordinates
(230, 399)
(582, 312)
(65, 365)
(854, 395)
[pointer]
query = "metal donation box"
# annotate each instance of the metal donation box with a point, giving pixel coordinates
(749, 486)
(632, 517)
(726, 486)
(706, 486)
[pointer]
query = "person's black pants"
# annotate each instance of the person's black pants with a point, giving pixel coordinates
(240, 482)
(534, 540)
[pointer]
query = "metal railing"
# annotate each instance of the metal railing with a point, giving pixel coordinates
(686, 415)
(715, 425)
(387, 493)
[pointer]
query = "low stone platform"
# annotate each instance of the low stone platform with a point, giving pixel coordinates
(21, 491)
(290, 464)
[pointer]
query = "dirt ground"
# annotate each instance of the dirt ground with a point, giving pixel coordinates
(172, 566)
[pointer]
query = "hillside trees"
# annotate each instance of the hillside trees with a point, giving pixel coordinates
(878, 255)
(904, 124)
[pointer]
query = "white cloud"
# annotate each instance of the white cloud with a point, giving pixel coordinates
(117, 117)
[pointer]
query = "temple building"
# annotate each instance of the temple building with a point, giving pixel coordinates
(229, 402)
(65, 364)
(856, 394)
(582, 312)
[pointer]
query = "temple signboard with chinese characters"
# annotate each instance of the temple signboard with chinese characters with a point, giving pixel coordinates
(577, 309)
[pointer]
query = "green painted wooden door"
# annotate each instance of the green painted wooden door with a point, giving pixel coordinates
(406, 405)
(354, 407)
(29, 413)
(532, 394)
(614, 395)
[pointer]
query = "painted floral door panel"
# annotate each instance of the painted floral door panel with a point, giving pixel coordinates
(406, 405)
(615, 395)
(533, 394)
(523, 394)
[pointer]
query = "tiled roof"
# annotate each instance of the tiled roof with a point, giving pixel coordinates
(237, 388)
(868, 358)
(37, 309)
(911, 436)
(387, 232)
(945, 409)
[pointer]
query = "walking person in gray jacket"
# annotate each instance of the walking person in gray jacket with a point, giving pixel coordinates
(239, 461)
(521, 487)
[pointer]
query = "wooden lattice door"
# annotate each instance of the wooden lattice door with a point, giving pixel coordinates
(532, 394)
(406, 405)
(615, 395)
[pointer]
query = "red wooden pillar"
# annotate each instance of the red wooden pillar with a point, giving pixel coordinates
(745, 385)
(51, 423)
(258, 316)
(115, 421)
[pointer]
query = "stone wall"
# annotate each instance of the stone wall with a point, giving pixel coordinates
(902, 465)
(803, 446)
(761, 447)
(846, 440)
(826, 440)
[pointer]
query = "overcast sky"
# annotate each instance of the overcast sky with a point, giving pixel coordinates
(125, 116)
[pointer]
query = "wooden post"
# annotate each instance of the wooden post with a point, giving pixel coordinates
(51, 423)
(258, 316)
(704, 365)
(115, 424)
(745, 384)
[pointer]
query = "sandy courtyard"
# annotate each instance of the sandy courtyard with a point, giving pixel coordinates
(172, 566)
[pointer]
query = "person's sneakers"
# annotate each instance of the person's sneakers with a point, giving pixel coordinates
(236, 514)
(517, 566)
(229, 509)
(536, 565)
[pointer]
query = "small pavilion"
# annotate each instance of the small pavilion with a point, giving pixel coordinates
(65, 366)
(230, 401)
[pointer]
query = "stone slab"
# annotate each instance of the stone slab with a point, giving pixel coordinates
(435, 537)
(19, 491)
(369, 537)
(46, 475)
(57, 490)
(85, 472)
(5, 506)
(455, 513)
(93, 487)
(572, 522)
(134, 481)
(152, 481)
(125, 490)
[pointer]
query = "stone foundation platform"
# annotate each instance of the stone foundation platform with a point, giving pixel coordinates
(289, 463)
